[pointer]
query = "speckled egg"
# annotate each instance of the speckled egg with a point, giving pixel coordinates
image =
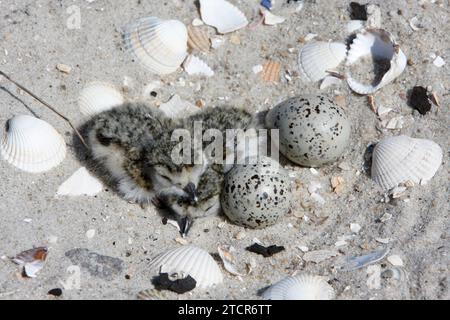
(313, 130)
(256, 195)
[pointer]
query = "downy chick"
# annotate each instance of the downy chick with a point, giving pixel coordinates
(133, 144)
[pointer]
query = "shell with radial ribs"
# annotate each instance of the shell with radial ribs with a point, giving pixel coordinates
(160, 45)
(316, 58)
(31, 144)
(401, 159)
(380, 45)
(97, 97)
(198, 39)
(300, 287)
(222, 15)
(271, 72)
(190, 260)
(195, 66)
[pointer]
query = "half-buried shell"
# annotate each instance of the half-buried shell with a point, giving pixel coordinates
(191, 260)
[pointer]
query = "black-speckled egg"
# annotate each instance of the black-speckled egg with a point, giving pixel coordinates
(313, 130)
(256, 195)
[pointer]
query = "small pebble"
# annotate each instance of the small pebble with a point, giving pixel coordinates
(354, 227)
(57, 292)
(90, 233)
(64, 68)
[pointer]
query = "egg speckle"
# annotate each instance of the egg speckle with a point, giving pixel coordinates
(256, 195)
(313, 130)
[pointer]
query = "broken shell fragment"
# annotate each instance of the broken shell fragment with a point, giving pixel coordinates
(354, 25)
(329, 81)
(388, 58)
(270, 19)
(316, 58)
(32, 260)
(31, 144)
(271, 72)
(400, 159)
(300, 287)
(222, 15)
(97, 97)
(160, 45)
(80, 183)
(357, 262)
(198, 39)
(195, 66)
(178, 108)
(191, 260)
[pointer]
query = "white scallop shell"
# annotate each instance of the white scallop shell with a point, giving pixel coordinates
(222, 15)
(97, 97)
(300, 287)
(31, 144)
(316, 58)
(380, 44)
(400, 159)
(195, 66)
(191, 260)
(160, 45)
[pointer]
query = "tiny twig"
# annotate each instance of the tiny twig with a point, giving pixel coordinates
(47, 105)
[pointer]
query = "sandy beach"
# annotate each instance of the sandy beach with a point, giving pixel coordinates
(36, 36)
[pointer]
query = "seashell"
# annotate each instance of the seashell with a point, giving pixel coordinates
(329, 81)
(316, 58)
(222, 15)
(178, 108)
(97, 97)
(151, 294)
(300, 287)
(378, 44)
(31, 144)
(354, 25)
(270, 19)
(32, 260)
(357, 262)
(191, 260)
(271, 71)
(198, 39)
(80, 183)
(160, 45)
(400, 159)
(195, 66)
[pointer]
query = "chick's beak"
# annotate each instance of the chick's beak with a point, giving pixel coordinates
(191, 190)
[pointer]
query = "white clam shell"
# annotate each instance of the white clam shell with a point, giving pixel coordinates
(190, 260)
(195, 66)
(316, 58)
(31, 144)
(400, 159)
(222, 15)
(97, 97)
(380, 44)
(160, 45)
(300, 287)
